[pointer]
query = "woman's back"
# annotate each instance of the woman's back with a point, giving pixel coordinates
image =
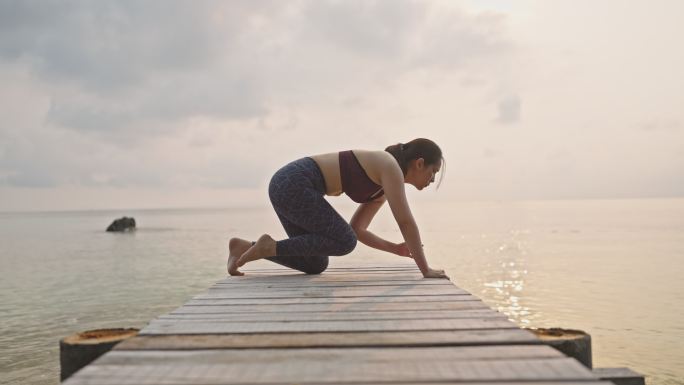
(329, 163)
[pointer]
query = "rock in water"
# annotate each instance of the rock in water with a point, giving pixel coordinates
(122, 224)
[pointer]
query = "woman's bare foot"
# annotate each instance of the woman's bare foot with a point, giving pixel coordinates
(236, 247)
(265, 246)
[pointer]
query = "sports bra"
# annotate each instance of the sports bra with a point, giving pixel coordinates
(355, 182)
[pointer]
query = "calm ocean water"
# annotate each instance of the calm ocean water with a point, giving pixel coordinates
(613, 268)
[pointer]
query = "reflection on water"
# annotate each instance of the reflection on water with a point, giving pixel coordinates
(611, 268)
(504, 280)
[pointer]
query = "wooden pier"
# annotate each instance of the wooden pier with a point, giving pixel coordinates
(373, 324)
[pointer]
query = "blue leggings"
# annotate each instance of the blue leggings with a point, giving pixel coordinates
(315, 229)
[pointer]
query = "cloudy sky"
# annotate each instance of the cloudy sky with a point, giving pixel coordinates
(196, 103)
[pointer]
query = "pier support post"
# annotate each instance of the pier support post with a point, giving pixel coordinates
(573, 343)
(80, 349)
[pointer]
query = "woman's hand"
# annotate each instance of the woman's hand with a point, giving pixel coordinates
(432, 273)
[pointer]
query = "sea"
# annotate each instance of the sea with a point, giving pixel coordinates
(612, 268)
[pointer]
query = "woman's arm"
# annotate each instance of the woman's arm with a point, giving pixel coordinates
(392, 180)
(360, 221)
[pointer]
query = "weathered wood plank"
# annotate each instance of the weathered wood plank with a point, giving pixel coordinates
(336, 316)
(351, 265)
(338, 267)
(329, 300)
(334, 268)
(302, 283)
(320, 286)
(333, 339)
(349, 355)
(326, 371)
(367, 274)
(331, 307)
(331, 292)
(160, 326)
(378, 273)
(336, 291)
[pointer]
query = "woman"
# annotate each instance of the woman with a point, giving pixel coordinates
(317, 231)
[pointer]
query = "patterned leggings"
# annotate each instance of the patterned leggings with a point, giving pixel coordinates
(315, 229)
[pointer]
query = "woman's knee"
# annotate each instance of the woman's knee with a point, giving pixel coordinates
(346, 243)
(316, 265)
(275, 190)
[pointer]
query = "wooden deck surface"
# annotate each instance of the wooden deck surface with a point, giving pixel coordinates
(360, 325)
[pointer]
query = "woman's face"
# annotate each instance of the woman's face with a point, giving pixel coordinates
(424, 174)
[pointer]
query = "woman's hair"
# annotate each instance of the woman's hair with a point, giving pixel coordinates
(404, 153)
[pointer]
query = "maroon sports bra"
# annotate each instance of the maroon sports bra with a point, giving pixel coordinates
(355, 182)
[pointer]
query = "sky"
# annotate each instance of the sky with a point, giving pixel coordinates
(146, 104)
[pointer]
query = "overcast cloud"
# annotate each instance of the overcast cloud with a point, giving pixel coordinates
(213, 96)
